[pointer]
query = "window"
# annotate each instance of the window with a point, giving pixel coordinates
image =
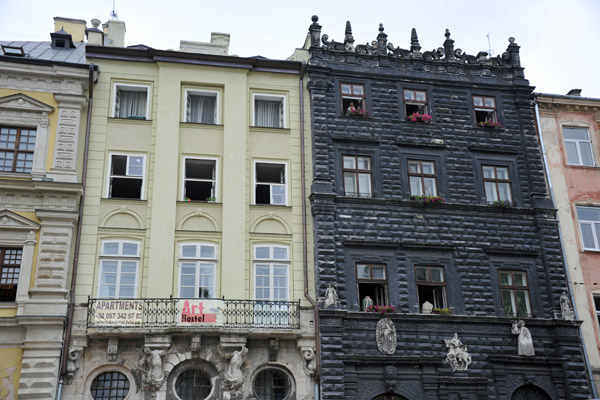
(16, 149)
(9, 273)
(269, 111)
(431, 286)
(372, 282)
(529, 392)
(270, 183)
(272, 384)
(201, 106)
(514, 292)
(485, 109)
(357, 176)
(131, 102)
(200, 182)
(271, 273)
(589, 223)
(118, 269)
(353, 97)
(597, 306)
(422, 178)
(496, 181)
(197, 267)
(126, 176)
(415, 101)
(579, 147)
(110, 386)
(193, 384)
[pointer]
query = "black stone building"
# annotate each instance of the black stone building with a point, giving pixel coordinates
(429, 191)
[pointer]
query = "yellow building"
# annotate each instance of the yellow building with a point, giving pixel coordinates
(196, 243)
(43, 108)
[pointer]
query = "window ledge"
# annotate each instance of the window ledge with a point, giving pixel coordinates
(201, 125)
(589, 251)
(592, 167)
(272, 205)
(198, 202)
(130, 120)
(16, 175)
(356, 117)
(8, 304)
(489, 128)
(123, 199)
(269, 129)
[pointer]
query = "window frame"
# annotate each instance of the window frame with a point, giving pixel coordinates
(117, 85)
(16, 151)
(356, 171)
(119, 258)
(595, 228)
(111, 371)
(110, 175)
(423, 105)
(195, 91)
(512, 289)
(271, 262)
(489, 110)
(373, 281)
(362, 100)
(215, 180)
(431, 282)
(495, 180)
(422, 176)
(577, 143)
(17, 273)
(290, 381)
(285, 184)
(596, 295)
(268, 97)
(197, 260)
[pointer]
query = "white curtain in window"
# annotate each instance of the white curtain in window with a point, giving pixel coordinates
(131, 104)
(268, 113)
(202, 109)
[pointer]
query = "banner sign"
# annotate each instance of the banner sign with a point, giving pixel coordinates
(118, 313)
(198, 312)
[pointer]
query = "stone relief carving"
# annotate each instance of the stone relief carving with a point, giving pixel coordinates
(385, 336)
(331, 297)
(525, 340)
(390, 377)
(457, 358)
(273, 349)
(72, 364)
(565, 307)
(112, 350)
(310, 362)
(234, 374)
(151, 365)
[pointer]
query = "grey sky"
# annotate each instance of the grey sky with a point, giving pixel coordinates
(558, 38)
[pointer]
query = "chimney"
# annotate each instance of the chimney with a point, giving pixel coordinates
(219, 45)
(574, 92)
(75, 27)
(115, 33)
(94, 35)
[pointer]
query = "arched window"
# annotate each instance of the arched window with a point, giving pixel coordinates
(193, 384)
(530, 392)
(110, 385)
(272, 384)
(389, 397)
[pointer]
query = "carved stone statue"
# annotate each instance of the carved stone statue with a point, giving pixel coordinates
(427, 308)
(234, 375)
(367, 302)
(331, 297)
(72, 364)
(458, 358)
(151, 364)
(565, 307)
(525, 340)
(386, 336)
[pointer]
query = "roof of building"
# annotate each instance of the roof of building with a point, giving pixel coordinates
(45, 51)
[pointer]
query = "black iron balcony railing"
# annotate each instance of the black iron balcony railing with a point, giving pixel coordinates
(196, 313)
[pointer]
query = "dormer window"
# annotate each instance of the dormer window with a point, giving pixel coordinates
(62, 40)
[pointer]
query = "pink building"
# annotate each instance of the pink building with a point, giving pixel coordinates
(570, 134)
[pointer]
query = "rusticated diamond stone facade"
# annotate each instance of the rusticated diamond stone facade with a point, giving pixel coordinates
(429, 190)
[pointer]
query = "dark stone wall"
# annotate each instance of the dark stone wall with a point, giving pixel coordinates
(465, 235)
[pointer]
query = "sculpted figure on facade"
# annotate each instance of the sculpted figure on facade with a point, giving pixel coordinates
(386, 336)
(457, 358)
(525, 339)
(152, 367)
(310, 365)
(565, 307)
(331, 297)
(234, 374)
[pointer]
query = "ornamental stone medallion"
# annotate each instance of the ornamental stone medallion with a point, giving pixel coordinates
(386, 336)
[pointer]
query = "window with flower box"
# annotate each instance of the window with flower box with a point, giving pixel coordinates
(422, 178)
(372, 282)
(514, 292)
(415, 101)
(357, 176)
(353, 99)
(485, 110)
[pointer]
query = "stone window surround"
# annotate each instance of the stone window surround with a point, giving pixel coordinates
(423, 154)
(201, 364)
(368, 255)
(280, 368)
(401, 106)
(146, 85)
(338, 93)
(198, 90)
(510, 262)
(196, 260)
(109, 174)
(594, 146)
(497, 97)
(110, 368)
(359, 149)
(262, 95)
(184, 171)
(498, 160)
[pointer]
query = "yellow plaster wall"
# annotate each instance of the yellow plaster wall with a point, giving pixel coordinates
(10, 371)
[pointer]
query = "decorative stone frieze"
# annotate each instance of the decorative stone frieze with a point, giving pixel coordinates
(64, 163)
(49, 79)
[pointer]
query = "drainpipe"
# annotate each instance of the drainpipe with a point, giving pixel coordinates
(562, 246)
(305, 236)
(71, 308)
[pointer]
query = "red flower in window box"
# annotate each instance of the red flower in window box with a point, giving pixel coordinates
(490, 124)
(416, 117)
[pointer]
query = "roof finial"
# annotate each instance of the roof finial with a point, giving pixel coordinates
(315, 32)
(381, 41)
(448, 47)
(447, 34)
(349, 39)
(415, 47)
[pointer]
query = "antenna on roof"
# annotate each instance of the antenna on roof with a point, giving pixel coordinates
(113, 13)
(490, 51)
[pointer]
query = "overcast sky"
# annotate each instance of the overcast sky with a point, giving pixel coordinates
(559, 39)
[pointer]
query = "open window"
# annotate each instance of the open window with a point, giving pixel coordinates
(201, 107)
(131, 102)
(270, 183)
(372, 282)
(200, 182)
(415, 101)
(353, 98)
(431, 286)
(126, 176)
(485, 110)
(269, 111)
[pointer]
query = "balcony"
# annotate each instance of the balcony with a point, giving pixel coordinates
(192, 313)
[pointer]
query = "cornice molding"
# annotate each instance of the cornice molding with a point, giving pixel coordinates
(50, 79)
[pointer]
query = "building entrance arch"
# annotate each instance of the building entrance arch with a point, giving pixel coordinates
(389, 397)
